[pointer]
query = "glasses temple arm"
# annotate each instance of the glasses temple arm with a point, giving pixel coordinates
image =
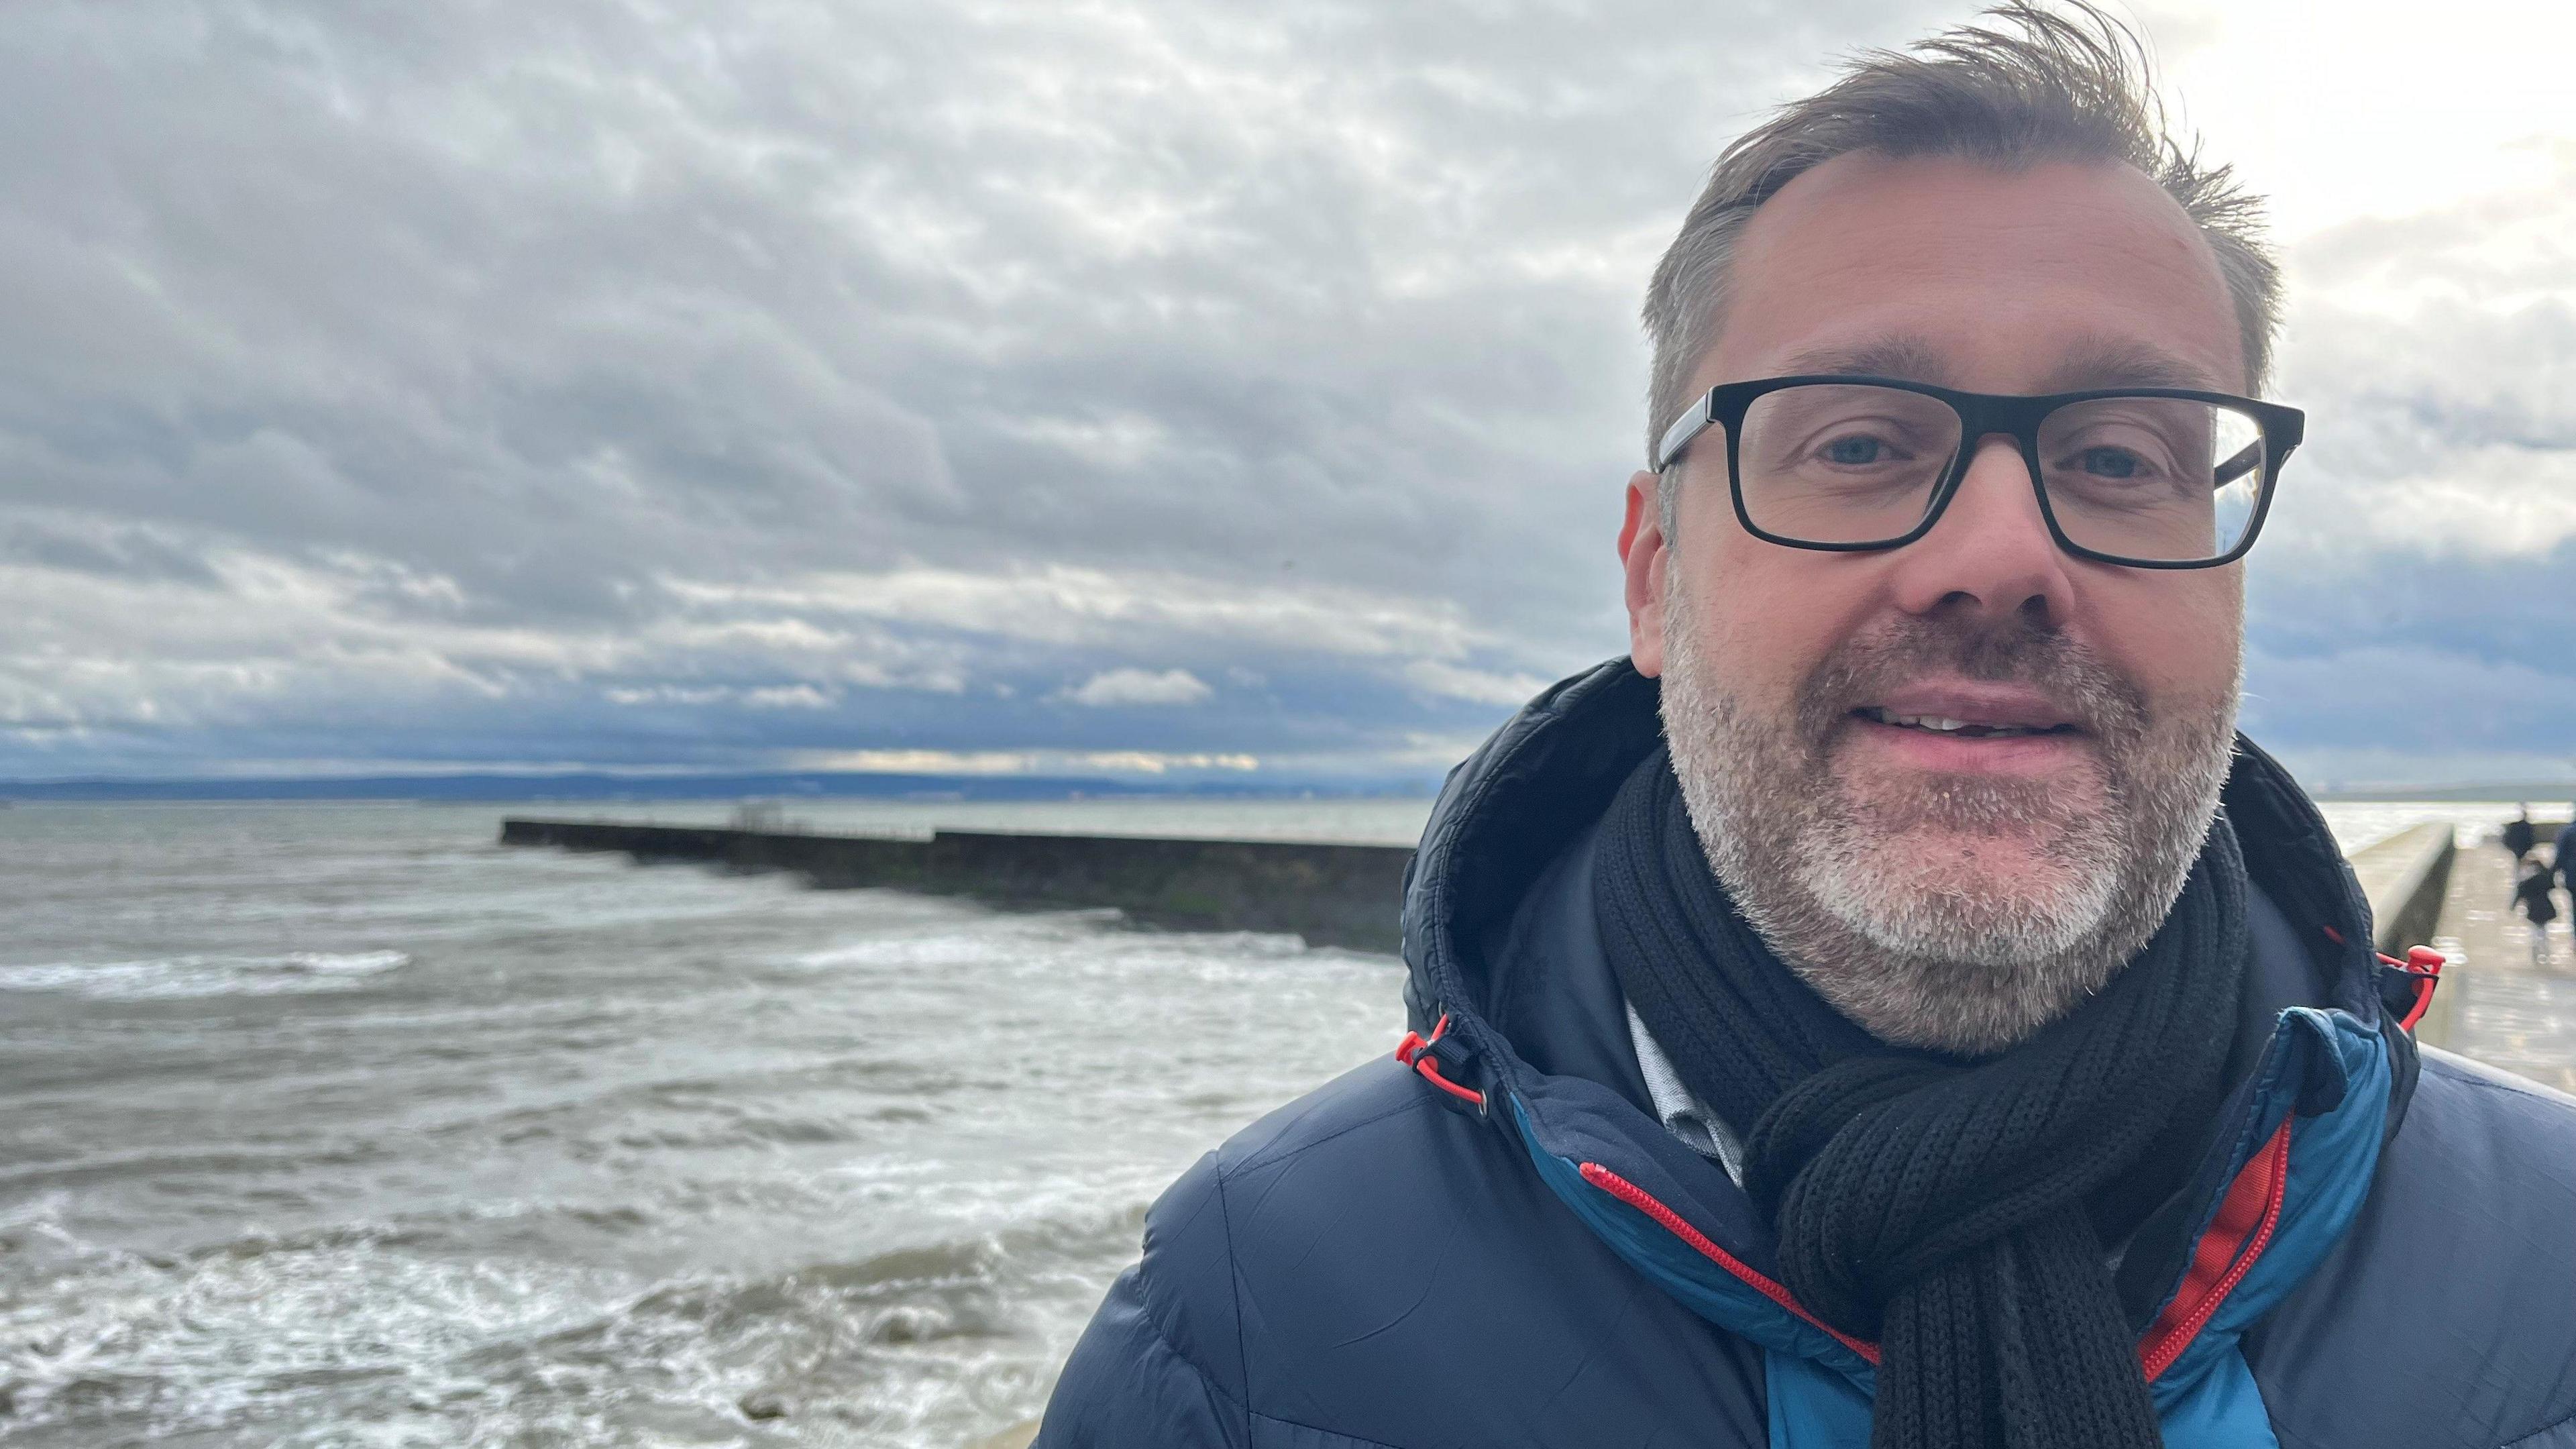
(2245, 461)
(1680, 435)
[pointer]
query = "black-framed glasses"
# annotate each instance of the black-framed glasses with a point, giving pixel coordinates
(2151, 477)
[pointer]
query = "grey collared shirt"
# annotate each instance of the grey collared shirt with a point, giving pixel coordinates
(1700, 1129)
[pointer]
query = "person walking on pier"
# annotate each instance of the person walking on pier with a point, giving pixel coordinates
(2520, 835)
(2531, 897)
(1893, 1006)
(2562, 854)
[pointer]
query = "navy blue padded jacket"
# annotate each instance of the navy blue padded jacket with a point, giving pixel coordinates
(1494, 1241)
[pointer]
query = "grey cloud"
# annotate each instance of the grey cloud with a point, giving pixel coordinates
(87, 544)
(446, 343)
(654, 383)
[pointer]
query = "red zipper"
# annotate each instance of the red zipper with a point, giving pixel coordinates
(1645, 1202)
(2183, 1319)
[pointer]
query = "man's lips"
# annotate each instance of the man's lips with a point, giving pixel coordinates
(1970, 728)
(1970, 711)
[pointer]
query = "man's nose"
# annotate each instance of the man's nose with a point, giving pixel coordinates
(1991, 553)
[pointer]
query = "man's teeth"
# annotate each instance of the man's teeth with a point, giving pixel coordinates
(1948, 726)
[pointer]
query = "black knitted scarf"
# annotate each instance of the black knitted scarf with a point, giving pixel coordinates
(1956, 1211)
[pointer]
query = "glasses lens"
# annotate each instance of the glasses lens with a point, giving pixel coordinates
(2164, 480)
(1842, 462)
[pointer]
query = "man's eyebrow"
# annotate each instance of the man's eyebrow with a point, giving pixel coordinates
(2095, 363)
(1907, 357)
(2114, 362)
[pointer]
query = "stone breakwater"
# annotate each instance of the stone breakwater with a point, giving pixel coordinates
(1331, 895)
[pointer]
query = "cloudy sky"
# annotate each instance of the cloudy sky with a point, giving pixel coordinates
(1168, 387)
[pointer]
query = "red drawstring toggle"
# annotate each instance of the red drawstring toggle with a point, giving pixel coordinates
(2425, 965)
(1410, 1051)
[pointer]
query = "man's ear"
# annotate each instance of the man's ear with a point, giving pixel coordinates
(1643, 556)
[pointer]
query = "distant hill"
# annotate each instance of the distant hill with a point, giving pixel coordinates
(603, 786)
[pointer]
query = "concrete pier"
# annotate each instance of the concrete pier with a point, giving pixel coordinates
(1332, 895)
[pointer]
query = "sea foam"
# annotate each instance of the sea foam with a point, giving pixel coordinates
(202, 975)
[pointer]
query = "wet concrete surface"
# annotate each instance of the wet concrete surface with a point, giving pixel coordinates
(2514, 1009)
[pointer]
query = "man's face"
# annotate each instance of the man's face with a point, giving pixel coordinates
(2113, 687)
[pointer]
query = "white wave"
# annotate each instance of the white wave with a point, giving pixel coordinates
(203, 975)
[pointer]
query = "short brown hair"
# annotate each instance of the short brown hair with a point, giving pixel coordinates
(2066, 82)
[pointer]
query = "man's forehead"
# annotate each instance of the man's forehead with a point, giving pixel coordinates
(2056, 276)
(2070, 365)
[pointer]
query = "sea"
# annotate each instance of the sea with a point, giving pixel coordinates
(328, 1124)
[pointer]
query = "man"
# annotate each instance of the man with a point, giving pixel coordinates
(1893, 1007)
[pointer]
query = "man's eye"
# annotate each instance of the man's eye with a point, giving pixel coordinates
(2110, 463)
(1857, 450)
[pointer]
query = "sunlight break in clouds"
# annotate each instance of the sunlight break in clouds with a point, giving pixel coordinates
(1115, 687)
(948, 762)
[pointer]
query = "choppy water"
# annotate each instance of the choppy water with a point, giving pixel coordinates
(341, 1125)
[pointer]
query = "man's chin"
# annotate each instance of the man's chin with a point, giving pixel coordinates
(1920, 917)
(1986, 858)
(2015, 818)
(1942, 864)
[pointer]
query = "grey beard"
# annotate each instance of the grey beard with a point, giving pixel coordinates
(1830, 883)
